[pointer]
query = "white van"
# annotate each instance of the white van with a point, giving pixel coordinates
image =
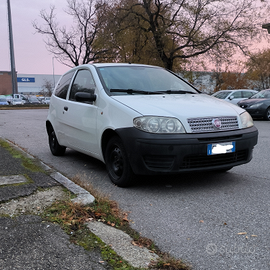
(145, 120)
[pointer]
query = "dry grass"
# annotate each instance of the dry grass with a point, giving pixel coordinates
(108, 211)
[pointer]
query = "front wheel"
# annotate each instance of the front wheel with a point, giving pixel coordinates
(117, 163)
(267, 114)
(56, 148)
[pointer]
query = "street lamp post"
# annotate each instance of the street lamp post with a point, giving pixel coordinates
(53, 72)
(12, 58)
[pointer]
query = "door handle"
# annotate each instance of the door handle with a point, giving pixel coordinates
(66, 108)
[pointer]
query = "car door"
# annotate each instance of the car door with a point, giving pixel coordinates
(80, 117)
(57, 107)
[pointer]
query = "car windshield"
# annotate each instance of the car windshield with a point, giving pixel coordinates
(221, 95)
(2, 100)
(127, 80)
(262, 94)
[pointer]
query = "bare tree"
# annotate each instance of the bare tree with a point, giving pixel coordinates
(182, 29)
(73, 46)
(47, 88)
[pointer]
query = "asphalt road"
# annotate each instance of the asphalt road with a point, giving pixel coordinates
(214, 221)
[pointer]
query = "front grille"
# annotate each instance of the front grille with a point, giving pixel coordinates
(203, 161)
(159, 162)
(205, 124)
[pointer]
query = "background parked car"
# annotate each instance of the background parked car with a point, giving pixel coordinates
(46, 100)
(3, 101)
(258, 105)
(17, 101)
(33, 100)
(234, 96)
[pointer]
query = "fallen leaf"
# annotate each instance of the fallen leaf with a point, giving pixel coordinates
(201, 221)
(242, 233)
(253, 235)
(225, 223)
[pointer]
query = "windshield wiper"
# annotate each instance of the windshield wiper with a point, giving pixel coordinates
(130, 91)
(134, 91)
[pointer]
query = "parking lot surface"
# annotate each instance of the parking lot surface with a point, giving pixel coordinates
(212, 220)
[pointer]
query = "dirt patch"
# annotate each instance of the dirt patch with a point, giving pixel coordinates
(35, 203)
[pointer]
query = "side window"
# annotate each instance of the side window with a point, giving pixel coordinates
(247, 94)
(83, 82)
(62, 87)
(237, 94)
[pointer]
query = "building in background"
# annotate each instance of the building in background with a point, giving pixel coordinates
(28, 84)
(5, 83)
(33, 84)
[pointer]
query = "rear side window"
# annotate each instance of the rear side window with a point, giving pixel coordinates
(62, 87)
(247, 94)
(237, 94)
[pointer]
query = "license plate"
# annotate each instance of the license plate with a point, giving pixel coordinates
(220, 148)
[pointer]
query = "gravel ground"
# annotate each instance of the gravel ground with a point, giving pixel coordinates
(34, 203)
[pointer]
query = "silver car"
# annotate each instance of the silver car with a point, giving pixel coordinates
(234, 96)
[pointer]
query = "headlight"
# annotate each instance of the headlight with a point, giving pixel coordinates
(155, 124)
(257, 105)
(246, 120)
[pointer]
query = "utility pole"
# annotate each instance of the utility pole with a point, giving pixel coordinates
(11, 48)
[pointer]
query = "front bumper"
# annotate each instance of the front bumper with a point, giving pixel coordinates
(164, 153)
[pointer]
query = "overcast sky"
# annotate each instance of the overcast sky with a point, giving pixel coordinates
(31, 56)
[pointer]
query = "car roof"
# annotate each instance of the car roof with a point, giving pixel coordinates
(116, 65)
(234, 90)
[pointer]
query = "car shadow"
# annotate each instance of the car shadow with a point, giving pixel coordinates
(181, 181)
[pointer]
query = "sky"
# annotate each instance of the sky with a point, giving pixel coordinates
(31, 55)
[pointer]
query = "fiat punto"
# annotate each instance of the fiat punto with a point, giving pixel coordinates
(145, 120)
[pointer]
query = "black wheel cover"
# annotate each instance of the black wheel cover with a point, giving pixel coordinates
(117, 163)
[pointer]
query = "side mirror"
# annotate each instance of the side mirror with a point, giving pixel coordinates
(84, 97)
(231, 97)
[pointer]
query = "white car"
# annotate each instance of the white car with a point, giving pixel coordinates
(46, 100)
(234, 96)
(145, 120)
(17, 101)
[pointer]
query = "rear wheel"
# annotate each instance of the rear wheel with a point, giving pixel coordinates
(267, 114)
(117, 163)
(56, 148)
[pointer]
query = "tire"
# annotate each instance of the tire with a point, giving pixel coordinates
(117, 163)
(267, 114)
(56, 148)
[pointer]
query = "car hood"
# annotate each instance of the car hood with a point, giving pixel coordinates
(182, 106)
(251, 101)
